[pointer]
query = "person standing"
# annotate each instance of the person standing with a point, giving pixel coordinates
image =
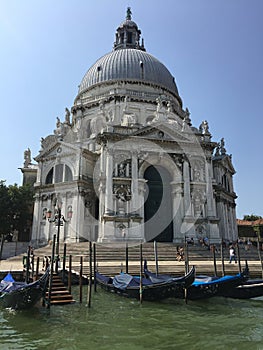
(232, 254)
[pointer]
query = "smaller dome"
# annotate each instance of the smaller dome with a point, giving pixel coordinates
(128, 23)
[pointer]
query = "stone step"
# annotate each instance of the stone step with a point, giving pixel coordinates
(59, 294)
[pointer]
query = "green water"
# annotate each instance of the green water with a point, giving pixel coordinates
(118, 323)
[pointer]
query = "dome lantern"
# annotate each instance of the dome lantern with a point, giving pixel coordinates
(128, 34)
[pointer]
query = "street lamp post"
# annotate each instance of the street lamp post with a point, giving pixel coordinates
(58, 219)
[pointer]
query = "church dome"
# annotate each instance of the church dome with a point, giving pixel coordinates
(129, 64)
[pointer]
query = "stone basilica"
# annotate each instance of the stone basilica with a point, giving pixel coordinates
(125, 164)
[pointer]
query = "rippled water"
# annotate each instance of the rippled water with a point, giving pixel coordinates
(118, 323)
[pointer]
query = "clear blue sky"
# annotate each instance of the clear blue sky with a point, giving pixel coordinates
(213, 48)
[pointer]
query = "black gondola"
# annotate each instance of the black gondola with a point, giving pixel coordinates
(158, 289)
(206, 286)
(250, 289)
(21, 295)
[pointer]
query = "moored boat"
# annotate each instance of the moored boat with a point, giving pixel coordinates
(21, 295)
(206, 286)
(247, 290)
(151, 290)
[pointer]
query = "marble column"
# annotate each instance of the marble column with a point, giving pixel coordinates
(177, 201)
(36, 230)
(108, 189)
(187, 194)
(211, 210)
(134, 206)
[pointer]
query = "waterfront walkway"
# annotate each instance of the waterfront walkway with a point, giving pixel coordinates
(111, 259)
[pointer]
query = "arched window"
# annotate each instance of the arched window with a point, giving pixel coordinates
(225, 182)
(49, 178)
(59, 173)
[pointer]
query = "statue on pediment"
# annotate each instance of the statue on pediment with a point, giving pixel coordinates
(204, 128)
(67, 116)
(27, 158)
(222, 147)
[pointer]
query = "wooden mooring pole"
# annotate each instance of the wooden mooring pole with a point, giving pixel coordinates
(141, 289)
(156, 258)
(37, 269)
(186, 257)
(127, 258)
(69, 273)
(80, 278)
(90, 276)
(64, 262)
(186, 266)
(32, 263)
(238, 258)
(51, 272)
(213, 248)
(259, 255)
(94, 267)
(28, 264)
(222, 258)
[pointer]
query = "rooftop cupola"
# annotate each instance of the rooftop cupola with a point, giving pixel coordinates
(128, 34)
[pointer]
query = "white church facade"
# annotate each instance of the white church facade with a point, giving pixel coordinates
(126, 164)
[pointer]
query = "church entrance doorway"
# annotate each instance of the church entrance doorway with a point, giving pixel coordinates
(158, 213)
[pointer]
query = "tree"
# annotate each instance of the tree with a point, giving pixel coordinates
(5, 205)
(5, 220)
(252, 217)
(16, 208)
(22, 208)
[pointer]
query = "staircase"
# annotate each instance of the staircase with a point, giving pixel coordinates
(59, 293)
(111, 258)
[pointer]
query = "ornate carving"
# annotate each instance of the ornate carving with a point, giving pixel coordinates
(88, 196)
(198, 199)
(45, 197)
(122, 192)
(178, 160)
(122, 170)
(201, 230)
(61, 129)
(48, 141)
(198, 170)
(122, 166)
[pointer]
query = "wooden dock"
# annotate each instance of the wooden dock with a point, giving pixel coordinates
(59, 295)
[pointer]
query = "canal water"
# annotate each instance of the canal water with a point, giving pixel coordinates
(117, 323)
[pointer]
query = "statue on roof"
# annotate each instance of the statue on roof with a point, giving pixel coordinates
(27, 158)
(58, 123)
(67, 116)
(204, 128)
(128, 13)
(222, 147)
